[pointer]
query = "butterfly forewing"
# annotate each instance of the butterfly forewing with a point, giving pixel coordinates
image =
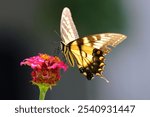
(67, 28)
(107, 39)
(90, 61)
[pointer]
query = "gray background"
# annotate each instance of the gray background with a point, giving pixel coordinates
(27, 27)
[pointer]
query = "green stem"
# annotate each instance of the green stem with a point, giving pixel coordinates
(43, 90)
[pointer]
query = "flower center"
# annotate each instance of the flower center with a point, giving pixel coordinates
(44, 56)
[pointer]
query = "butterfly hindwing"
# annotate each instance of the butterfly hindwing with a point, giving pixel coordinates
(90, 60)
(95, 66)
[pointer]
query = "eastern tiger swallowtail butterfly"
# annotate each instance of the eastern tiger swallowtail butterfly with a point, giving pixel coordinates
(88, 52)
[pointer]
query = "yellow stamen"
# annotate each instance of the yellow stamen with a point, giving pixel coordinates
(44, 56)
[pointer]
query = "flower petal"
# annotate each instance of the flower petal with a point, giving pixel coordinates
(46, 69)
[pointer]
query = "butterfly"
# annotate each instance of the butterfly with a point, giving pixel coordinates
(87, 52)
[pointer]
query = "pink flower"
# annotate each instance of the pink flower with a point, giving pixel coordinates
(46, 69)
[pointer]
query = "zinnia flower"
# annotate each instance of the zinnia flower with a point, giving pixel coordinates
(46, 70)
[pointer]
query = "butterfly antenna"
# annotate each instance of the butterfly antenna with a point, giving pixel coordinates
(57, 33)
(56, 50)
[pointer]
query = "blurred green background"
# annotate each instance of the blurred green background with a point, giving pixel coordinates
(27, 27)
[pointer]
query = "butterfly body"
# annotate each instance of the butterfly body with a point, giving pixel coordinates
(88, 52)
